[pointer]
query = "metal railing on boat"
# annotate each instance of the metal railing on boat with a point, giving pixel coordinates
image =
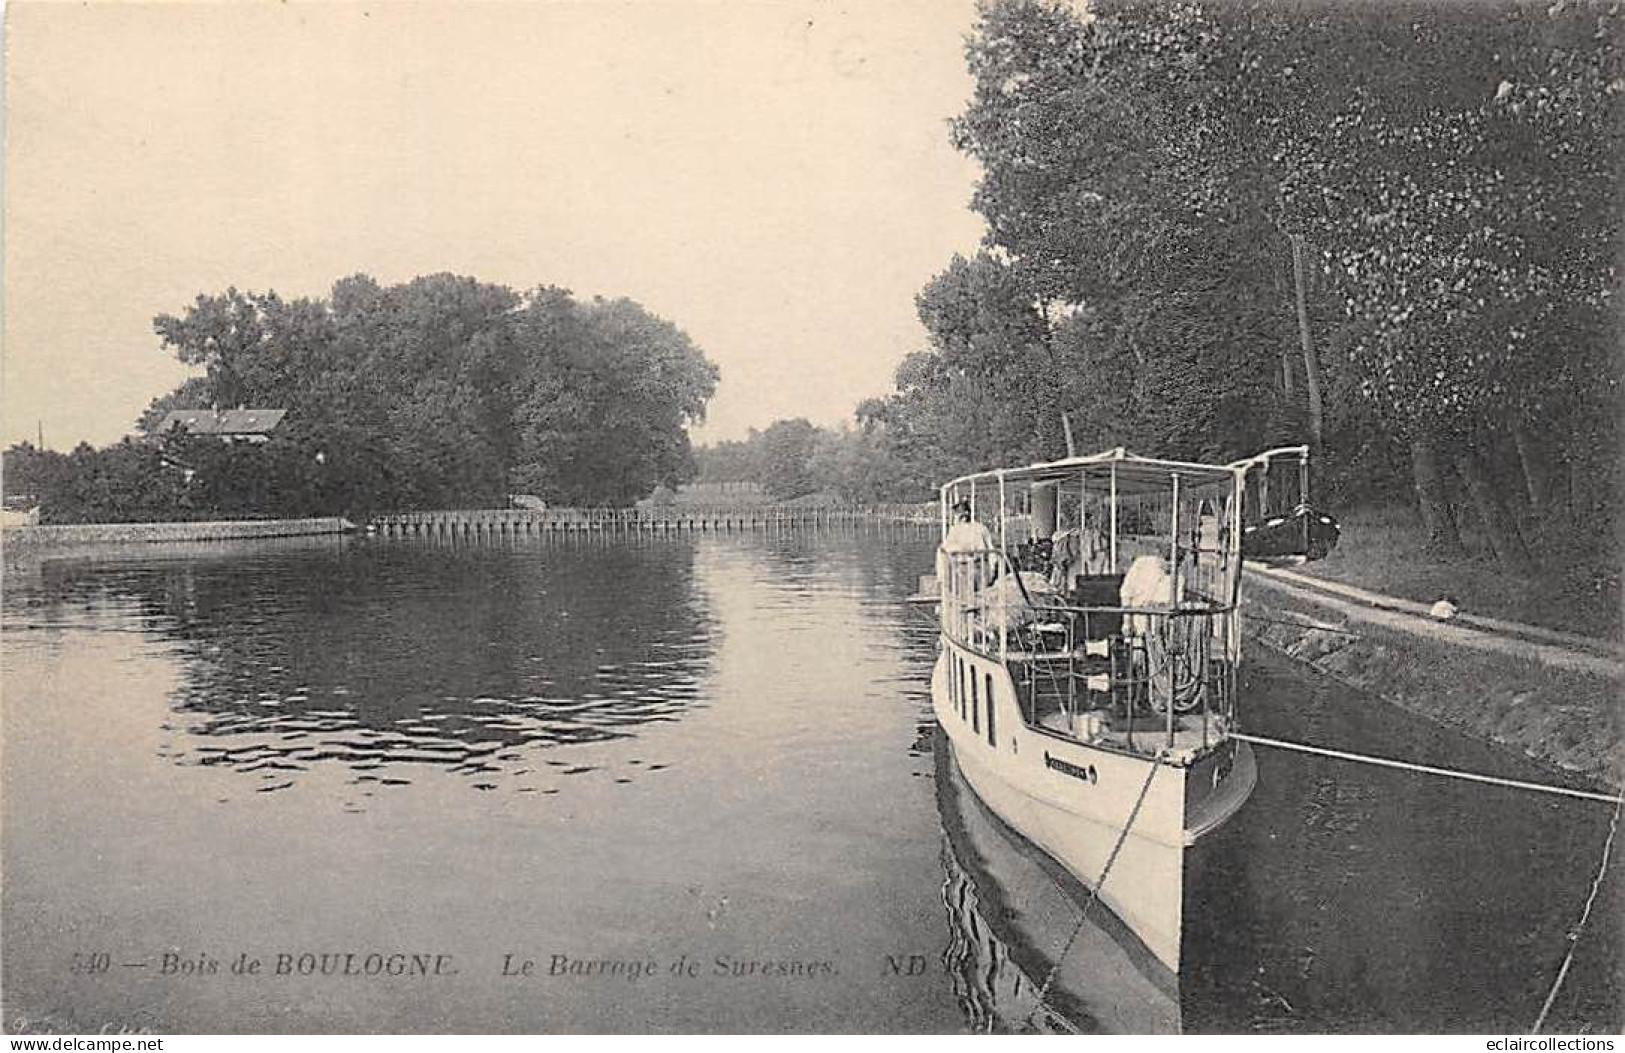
(1168, 661)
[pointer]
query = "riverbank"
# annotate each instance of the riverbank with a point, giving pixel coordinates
(1576, 588)
(17, 540)
(1555, 705)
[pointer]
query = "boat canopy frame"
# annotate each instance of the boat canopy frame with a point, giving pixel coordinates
(1200, 556)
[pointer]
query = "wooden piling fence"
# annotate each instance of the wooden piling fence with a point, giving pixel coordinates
(523, 522)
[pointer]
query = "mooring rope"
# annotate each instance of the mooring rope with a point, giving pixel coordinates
(1094, 893)
(1574, 934)
(1617, 800)
(1428, 769)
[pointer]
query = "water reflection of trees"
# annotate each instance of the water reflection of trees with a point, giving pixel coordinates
(382, 656)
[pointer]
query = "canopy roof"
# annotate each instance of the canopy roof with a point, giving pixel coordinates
(1135, 474)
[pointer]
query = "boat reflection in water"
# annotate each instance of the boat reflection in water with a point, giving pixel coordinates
(1011, 911)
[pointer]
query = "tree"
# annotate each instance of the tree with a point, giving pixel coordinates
(124, 481)
(1147, 168)
(787, 450)
(1467, 212)
(862, 468)
(1113, 211)
(30, 470)
(446, 391)
(727, 461)
(607, 391)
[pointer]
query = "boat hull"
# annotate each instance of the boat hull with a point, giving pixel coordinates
(1020, 919)
(1118, 822)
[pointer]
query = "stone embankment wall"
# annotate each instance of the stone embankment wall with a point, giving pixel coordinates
(24, 538)
(1564, 714)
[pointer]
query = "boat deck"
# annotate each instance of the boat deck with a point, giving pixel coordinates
(1071, 693)
(1150, 735)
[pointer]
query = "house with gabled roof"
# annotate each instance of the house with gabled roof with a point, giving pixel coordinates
(231, 425)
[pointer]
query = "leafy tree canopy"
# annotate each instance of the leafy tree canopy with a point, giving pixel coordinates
(1453, 169)
(443, 391)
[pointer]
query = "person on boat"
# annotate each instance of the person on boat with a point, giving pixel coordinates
(1147, 584)
(965, 565)
(1077, 550)
(972, 543)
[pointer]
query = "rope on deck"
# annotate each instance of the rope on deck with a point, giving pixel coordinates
(1573, 935)
(1094, 893)
(1427, 769)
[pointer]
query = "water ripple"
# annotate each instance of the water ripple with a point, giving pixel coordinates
(391, 660)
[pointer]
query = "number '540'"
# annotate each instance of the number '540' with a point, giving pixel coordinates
(97, 962)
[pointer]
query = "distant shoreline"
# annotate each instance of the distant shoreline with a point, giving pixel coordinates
(53, 536)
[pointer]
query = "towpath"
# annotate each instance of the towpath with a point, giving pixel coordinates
(1547, 646)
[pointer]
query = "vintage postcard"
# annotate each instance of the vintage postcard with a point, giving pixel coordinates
(911, 517)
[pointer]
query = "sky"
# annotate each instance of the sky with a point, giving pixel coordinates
(775, 178)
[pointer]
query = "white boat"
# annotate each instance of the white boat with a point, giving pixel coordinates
(1087, 676)
(1010, 911)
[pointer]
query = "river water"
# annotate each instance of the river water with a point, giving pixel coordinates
(679, 785)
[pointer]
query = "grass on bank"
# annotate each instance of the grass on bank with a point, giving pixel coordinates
(1384, 550)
